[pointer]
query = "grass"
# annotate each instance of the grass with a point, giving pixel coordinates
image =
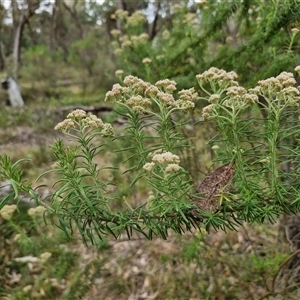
(236, 265)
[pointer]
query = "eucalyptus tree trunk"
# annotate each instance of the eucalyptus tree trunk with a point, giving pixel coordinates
(122, 6)
(2, 59)
(20, 18)
(13, 91)
(17, 43)
(25, 13)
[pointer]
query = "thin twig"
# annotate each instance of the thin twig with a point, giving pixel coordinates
(272, 292)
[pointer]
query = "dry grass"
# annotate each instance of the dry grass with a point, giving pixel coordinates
(233, 265)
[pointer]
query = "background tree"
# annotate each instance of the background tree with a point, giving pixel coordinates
(2, 54)
(21, 14)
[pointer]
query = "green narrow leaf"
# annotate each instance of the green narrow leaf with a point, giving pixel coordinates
(6, 199)
(15, 187)
(139, 176)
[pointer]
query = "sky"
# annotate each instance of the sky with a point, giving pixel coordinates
(7, 4)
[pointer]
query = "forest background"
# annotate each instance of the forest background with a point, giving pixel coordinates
(67, 55)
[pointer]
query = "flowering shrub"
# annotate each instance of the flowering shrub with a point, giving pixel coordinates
(259, 157)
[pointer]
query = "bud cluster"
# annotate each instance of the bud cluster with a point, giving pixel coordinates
(280, 90)
(136, 19)
(139, 95)
(7, 211)
(39, 210)
(168, 160)
(217, 78)
(226, 93)
(81, 119)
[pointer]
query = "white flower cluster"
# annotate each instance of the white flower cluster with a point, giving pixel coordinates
(238, 97)
(209, 111)
(214, 98)
(139, 94)
(167, 99)
(169, 86)
(119, 73)
(146, 61)
(280, 89)
(140, 39)
(120, 14)
(226, 92)
(165, 157)
(80, 118)
(218, 77)
(7, 211)
(77, 114)
(39, 210)
(65, 125)
(117, 93)
(136, 19)
(93, 122)
(187, 99)
(169, 160)
(115, 33)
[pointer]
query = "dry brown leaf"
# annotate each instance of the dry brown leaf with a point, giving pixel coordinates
(215, 183)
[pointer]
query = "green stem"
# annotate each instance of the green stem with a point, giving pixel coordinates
(91, 166)
(138, 135)
(273, 130)
(18, 229)
(238, 155)
(165, 125)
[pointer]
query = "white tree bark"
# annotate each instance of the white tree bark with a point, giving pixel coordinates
(17, 41)
(14, 95)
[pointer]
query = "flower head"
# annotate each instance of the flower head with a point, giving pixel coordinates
(172, 168)
(168, 160)
(166, 98)
(149, 166)
(239, 97)
(116, 93)
(281, 89)
(77, 114)
(39, 210)
(139, 103)
(219, 76)
(165, 157)
(65, 125)
(7, 211)
(215, 147)
(136, 84)
(185, 105)
(146, 61)
(188, 95)
(142, 38)
(119, 73)
(214, 98)
(136, 19)
(208, 111)
(93, 121)
(166, 83)
(107, 130)
(115, 33)
(151, 91)
(120, 14)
